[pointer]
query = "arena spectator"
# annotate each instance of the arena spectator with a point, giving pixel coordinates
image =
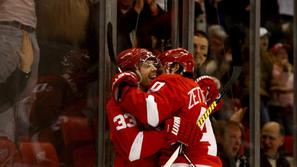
(67, 31)
(229, 135)
(127, 14)
(265, 76)
(272, 138)
(220, 53)
(14, 85)
(283, 77)
(282, 86)
(17, 16)
(142, 24)
(201, 56)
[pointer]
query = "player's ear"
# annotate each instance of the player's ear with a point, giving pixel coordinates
(166, 69)
(175, 68)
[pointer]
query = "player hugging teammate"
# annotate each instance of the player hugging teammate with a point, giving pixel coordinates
(151, 115)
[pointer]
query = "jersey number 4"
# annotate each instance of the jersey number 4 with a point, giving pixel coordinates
(124, 121)
(208, 135)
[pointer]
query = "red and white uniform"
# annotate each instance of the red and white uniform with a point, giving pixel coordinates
(174, 95)
(133, 147)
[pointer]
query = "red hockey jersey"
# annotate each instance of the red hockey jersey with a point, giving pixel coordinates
(174, 95)
(133, 147)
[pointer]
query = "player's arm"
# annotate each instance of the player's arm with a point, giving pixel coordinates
(128, 140)
(151, 108)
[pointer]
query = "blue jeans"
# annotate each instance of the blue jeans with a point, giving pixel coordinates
(10, 45)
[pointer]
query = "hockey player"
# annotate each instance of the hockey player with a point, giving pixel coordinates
(174, 93)
(134, 145)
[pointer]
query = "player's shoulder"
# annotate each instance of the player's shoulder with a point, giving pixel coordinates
(112, 106)
(174, 79)
(169, 77)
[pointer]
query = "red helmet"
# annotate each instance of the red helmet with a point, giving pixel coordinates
(178, 55)
(129, 59)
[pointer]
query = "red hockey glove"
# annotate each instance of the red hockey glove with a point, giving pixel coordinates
(210, 87)
(120, 80)
(181, 130)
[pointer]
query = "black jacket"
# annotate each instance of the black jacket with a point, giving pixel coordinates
(281, 161)
(10, 89)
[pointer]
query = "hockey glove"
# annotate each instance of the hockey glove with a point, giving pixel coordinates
(210, 87)
(181, 130)
(120, 81)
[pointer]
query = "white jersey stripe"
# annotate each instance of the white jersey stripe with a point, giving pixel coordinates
(135, 150)
(152, 111)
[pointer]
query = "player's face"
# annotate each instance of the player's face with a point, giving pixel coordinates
(232, 141)
(148, 72)
(200, 49)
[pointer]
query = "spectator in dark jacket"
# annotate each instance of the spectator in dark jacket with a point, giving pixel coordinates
(272, 138)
